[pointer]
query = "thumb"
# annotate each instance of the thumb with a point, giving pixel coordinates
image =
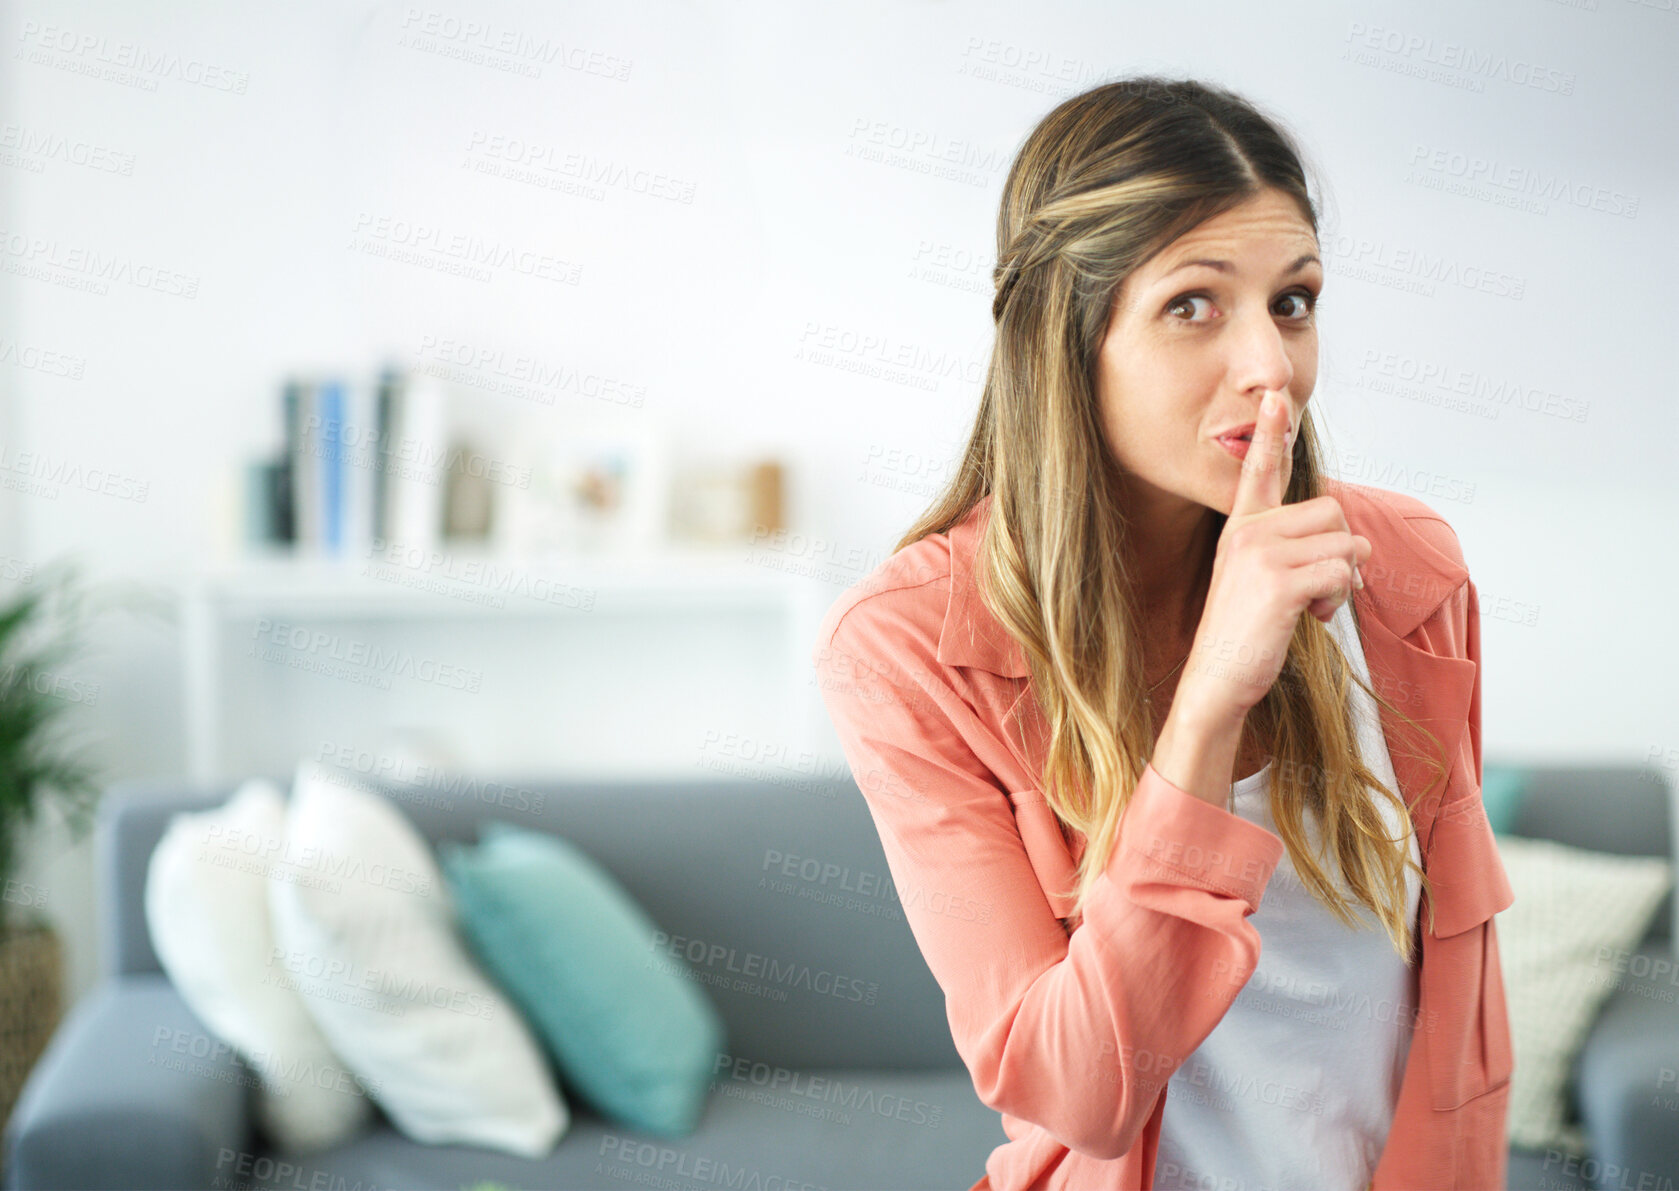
(1260, 486)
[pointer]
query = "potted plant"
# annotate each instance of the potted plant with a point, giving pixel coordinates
(39, 768)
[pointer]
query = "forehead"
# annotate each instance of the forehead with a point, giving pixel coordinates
(1263, 230)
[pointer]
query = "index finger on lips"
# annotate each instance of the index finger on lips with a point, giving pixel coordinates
(1261, 484)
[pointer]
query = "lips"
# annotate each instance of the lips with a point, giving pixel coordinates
(1236, 446)
(1244, 433)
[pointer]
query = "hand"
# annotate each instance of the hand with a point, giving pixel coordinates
(1273, 562)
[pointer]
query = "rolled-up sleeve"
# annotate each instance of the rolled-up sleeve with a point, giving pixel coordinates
(1076, 1034)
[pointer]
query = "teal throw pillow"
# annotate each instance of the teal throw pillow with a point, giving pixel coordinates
(566, 942)
(1502, 787)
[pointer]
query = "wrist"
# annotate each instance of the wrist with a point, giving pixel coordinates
(1196, 752)
(1205, 718)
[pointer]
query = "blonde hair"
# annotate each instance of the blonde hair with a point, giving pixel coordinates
(1106, 180)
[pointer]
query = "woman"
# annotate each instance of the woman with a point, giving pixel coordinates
(1082, 694)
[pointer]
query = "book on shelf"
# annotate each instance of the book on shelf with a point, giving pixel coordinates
(361, 464)
(414, 462)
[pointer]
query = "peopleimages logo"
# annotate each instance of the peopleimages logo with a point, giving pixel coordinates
(305, 648)
(89, 268)
(269, 850)
(1489, 174)
(241, 1168)
(1448, 62)
(124, 61)
(752, 966)
(386, 233)
(511, 49)
(815, 1095)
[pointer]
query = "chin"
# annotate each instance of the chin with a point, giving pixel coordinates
(1215, 499)
(1220, 495)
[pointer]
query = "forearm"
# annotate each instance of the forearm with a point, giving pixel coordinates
(1197, 750)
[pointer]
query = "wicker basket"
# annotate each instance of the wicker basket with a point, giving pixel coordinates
(31, 970)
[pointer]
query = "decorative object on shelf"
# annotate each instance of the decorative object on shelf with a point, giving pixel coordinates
(768, 497)
(587, 490)
(40, 629)
(724, 502)
(469, 499)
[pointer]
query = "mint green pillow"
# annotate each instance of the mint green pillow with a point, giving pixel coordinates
(1502, 787)
(566, 942)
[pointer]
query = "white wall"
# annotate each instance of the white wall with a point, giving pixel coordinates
(776, 120)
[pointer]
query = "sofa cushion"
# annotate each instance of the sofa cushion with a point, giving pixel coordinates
(628, 1029)
(367, 930)
(1502, 787)
(206, 901)
(1575, 914)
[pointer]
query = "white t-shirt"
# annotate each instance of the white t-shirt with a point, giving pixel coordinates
(1296, 1085)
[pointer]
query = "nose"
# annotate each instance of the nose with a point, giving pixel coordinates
(1259, 358)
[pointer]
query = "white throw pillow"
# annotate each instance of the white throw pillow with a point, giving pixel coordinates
(367, 931)
(1575, 913)
(206, 903)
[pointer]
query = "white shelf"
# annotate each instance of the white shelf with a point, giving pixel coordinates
(464, 583)
(481, 585)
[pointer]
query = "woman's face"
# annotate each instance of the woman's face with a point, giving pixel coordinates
(1190, 351)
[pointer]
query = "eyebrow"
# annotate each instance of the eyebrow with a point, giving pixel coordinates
(1227, 267)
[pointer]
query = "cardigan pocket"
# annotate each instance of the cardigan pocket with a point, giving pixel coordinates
(1471, 1047)
(1471, 1051)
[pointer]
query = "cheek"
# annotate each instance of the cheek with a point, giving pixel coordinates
(1151, 439)
(1153, 397)
(1304, 357)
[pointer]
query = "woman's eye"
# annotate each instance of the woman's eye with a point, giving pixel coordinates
(1306, 304)
(1186, 300)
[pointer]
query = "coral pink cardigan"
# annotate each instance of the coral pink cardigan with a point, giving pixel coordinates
(1071, 1028)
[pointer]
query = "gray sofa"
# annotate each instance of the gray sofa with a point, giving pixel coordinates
(1623, 1083)
(833, 1091)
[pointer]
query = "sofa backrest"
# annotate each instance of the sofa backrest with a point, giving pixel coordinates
(1602, 808)
(776, 896)
(780, 891)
